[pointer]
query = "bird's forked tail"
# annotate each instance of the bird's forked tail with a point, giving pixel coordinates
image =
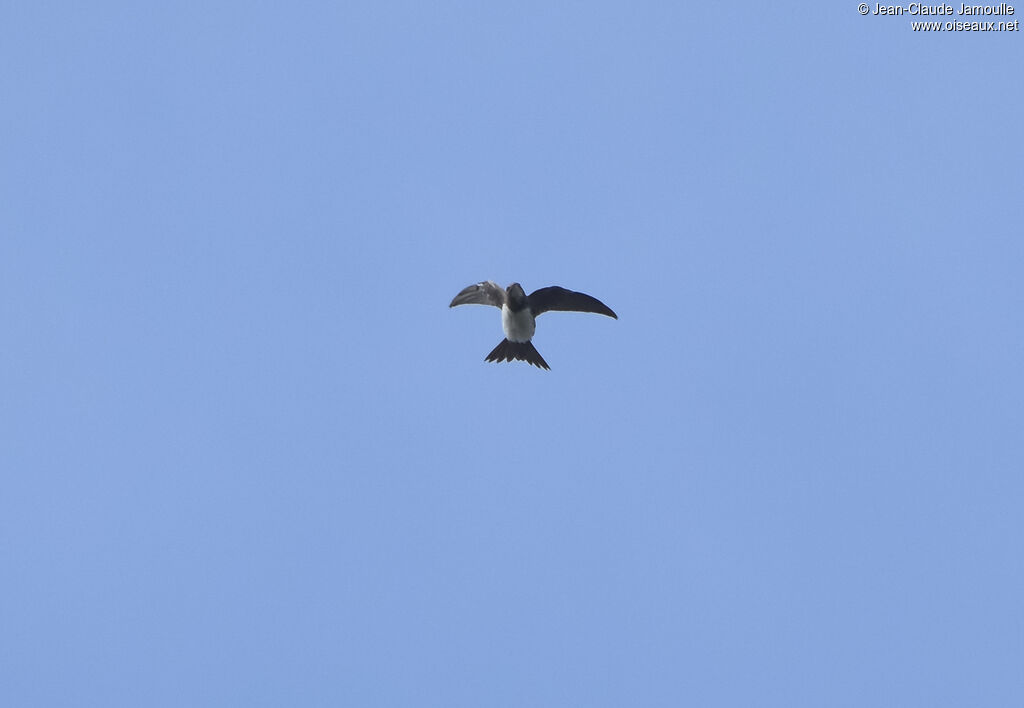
(521, 351)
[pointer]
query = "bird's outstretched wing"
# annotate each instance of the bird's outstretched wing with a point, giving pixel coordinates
(560, 299)
(485, 293)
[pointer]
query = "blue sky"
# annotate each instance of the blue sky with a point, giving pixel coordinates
(250, 456)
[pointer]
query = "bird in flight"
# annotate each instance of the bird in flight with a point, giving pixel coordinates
(519, 312)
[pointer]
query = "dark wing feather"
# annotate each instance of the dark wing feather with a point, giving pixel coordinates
(560, 299)
(485, 293)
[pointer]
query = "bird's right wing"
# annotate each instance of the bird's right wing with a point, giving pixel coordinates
(485, 293)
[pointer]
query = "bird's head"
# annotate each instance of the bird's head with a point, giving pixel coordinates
(516, 297)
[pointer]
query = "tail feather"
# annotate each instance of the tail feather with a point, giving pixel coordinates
(521, 351)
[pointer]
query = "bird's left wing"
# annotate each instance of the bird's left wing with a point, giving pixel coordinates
(485, 293)
(556, 298)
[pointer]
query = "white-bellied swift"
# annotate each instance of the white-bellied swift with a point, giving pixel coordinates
(519, 312)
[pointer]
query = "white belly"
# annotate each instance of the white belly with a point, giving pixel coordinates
(518, 326)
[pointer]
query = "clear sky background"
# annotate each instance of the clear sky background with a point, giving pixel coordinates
(249, 456)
